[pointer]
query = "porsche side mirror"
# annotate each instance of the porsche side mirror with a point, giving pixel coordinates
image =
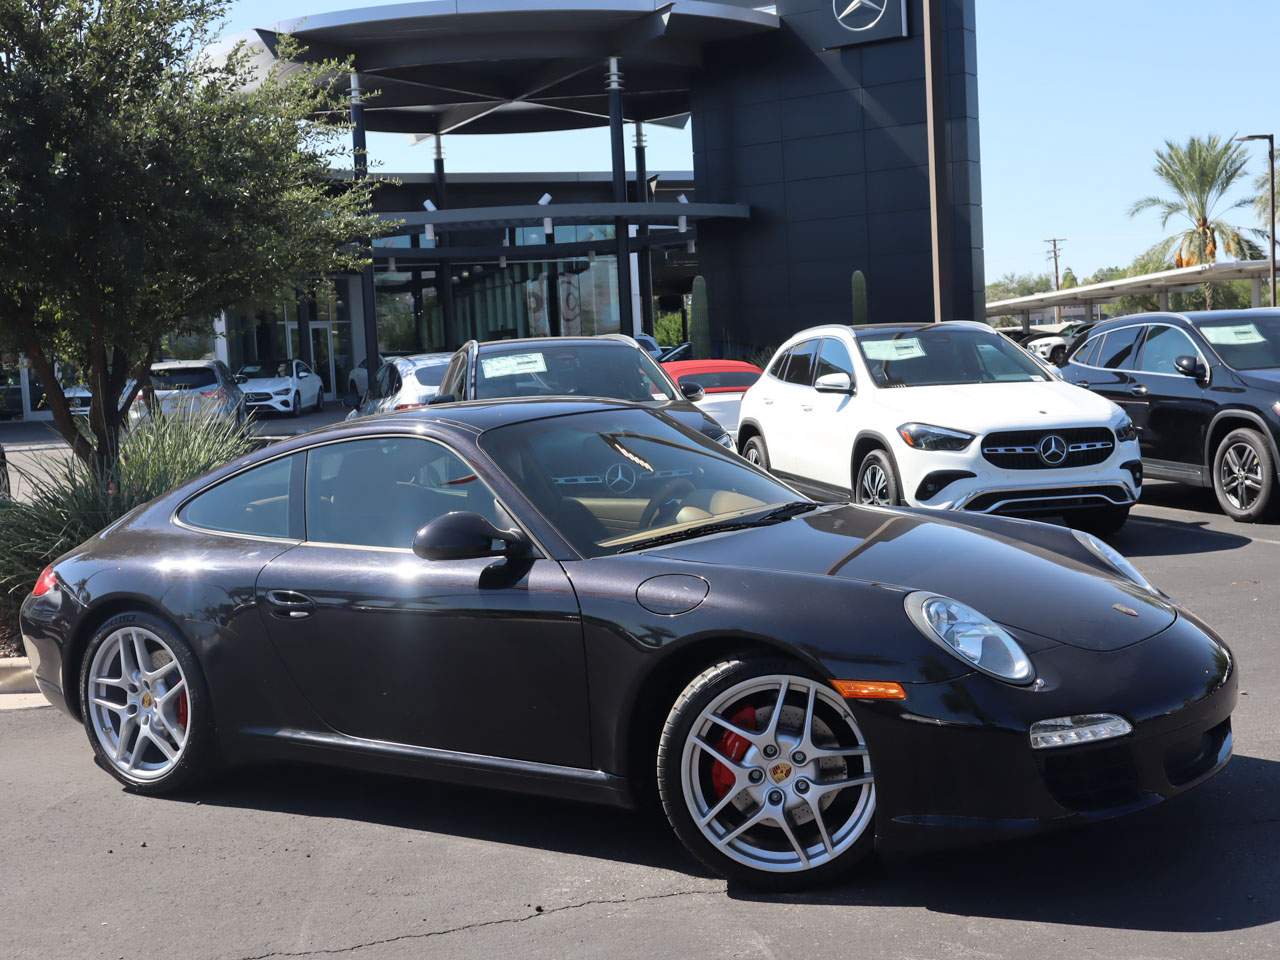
(1191, 367)
(462, 535)
(834, 383)
(693, 392)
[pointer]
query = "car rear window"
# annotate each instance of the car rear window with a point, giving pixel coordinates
(722, 380)
(432, 375)
(183, 378)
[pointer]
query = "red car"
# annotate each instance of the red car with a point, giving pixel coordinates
(725, 381)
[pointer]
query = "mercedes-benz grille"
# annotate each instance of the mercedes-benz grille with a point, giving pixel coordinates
(1048, 449)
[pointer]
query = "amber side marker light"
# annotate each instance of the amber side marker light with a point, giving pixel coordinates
(869, 690)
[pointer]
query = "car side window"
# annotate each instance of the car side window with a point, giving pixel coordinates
(258, 502)
(379, 491)
(1162, 346)
(834, 358)
(800, 369)
(1119, 348)
(778, 368)
(384, 380)
(1088, 351)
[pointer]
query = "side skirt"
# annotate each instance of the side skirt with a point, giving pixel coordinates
(824, 492)
(1192, 473)
(432, 763)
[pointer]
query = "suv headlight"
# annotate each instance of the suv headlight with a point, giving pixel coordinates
(1114, 559)
(283, 393)
(922, 436)
(1126, 431)
(976, 639)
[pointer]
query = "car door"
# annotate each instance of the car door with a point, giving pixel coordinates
(308, 383)
(792, 397)
(481, 656)
(1112, 371)
(828, 420)
(1172, 411)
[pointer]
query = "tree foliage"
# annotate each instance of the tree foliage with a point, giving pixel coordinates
(1201, 173)
(145, 184)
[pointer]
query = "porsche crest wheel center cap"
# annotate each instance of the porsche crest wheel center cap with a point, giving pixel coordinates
(146, 699)
(780, 771)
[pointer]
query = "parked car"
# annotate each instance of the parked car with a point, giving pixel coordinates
(650, 345)
(358, 382)
(281, 386)
(723, 382)
(1202, 389)
(950, 416)
(578, 597)
(1055, 347)
(193, 388)
(404, 383)
(610, 366)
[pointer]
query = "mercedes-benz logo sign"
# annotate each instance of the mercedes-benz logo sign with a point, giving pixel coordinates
(858, 14)
(1053, 449)
(620, 478)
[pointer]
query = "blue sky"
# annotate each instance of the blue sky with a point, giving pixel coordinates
(1074, 99)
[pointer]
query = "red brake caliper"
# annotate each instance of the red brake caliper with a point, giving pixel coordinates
(733, 747)
(182, 710)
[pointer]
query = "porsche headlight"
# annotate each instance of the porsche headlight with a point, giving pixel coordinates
(1114, 559)
(924, 436)
(974, 638)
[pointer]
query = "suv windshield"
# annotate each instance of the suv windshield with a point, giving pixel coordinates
(1244, 342)
(616, 371)
(183, 378)
(612, 480)
(944, 355)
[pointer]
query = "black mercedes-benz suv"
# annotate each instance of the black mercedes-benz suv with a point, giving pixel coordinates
(1204, 391)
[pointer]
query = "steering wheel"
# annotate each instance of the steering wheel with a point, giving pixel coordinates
(666, 500)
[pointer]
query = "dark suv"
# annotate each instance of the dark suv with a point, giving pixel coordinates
(1204, 391)
(611, 366)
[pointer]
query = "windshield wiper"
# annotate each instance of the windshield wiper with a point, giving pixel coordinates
(775, 515)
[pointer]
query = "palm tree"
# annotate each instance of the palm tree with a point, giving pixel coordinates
(1201, 174)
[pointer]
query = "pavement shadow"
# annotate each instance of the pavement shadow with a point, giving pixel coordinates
(1144, 537)
(1204, 862)
(564, 826)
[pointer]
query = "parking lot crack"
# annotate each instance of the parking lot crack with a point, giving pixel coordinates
(478, 925)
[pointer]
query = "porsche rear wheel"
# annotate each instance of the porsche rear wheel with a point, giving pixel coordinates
(765, 776)
(145, 705)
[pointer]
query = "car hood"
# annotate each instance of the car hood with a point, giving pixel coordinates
(266, 384)
(1027, 587)
(982, 407)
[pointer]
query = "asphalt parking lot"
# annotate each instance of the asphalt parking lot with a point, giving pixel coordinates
(312, 863)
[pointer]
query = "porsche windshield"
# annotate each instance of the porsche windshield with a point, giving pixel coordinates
(944, 355)
(612, 480)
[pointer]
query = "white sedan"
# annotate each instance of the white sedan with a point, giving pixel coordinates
(280, 386)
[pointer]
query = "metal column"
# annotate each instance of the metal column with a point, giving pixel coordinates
(367, 301)
(645, 257)
(613, 84)
(444, 273)
(942, 220)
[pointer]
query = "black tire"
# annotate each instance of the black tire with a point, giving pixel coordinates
(754, 451)
(1100, 521)
(199, 755)
(865, 478)
(319, 400)
(1252, 460)
(297, 405)
(704, 688)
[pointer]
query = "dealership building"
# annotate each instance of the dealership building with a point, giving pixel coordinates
(828, 136)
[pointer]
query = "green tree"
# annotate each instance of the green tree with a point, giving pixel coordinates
(1013, 285)
(1069, 279)
(145, 184)
(1201, 173)
(668, 329)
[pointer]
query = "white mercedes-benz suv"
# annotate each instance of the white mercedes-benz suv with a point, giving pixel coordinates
(951, 416)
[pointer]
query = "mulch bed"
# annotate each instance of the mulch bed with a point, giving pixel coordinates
(10, 642)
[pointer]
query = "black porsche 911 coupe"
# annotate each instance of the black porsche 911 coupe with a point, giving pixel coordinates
(587, 599)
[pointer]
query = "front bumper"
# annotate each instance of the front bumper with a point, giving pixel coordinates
(954, 763)
(268, 403)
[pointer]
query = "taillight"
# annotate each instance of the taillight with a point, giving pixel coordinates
(408, 406)
(47, 581)
(213, 394)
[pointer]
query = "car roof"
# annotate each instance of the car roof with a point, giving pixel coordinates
(423, 360)
(607, 339)
(181, 364)
(871, 329)
(681, 367)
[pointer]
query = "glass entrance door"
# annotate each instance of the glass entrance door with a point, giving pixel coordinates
(321, 350)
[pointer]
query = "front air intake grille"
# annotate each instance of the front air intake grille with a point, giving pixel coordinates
(1034, 450)
(258, 397)
(1091, 780)
(1052, 500)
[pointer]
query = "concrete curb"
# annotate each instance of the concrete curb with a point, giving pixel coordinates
(16, 676)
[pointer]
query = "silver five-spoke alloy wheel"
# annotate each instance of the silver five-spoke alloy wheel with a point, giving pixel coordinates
(1240, 474)
(875, 486)
(138, 703)
(776, 775)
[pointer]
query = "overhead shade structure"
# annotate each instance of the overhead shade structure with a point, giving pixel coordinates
(508, 66)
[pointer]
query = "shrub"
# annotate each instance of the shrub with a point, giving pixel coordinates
(69, 502)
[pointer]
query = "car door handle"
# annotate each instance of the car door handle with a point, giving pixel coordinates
(1138, 390)
(806, 408)
(768, 402)
(289, 604)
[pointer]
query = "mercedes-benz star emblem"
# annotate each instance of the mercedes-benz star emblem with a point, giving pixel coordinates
(620, 478)
(1053, 449)
(858, 14)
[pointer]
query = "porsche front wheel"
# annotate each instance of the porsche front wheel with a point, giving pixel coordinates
(765, 776)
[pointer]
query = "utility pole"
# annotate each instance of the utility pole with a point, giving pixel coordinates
(1057, 275)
